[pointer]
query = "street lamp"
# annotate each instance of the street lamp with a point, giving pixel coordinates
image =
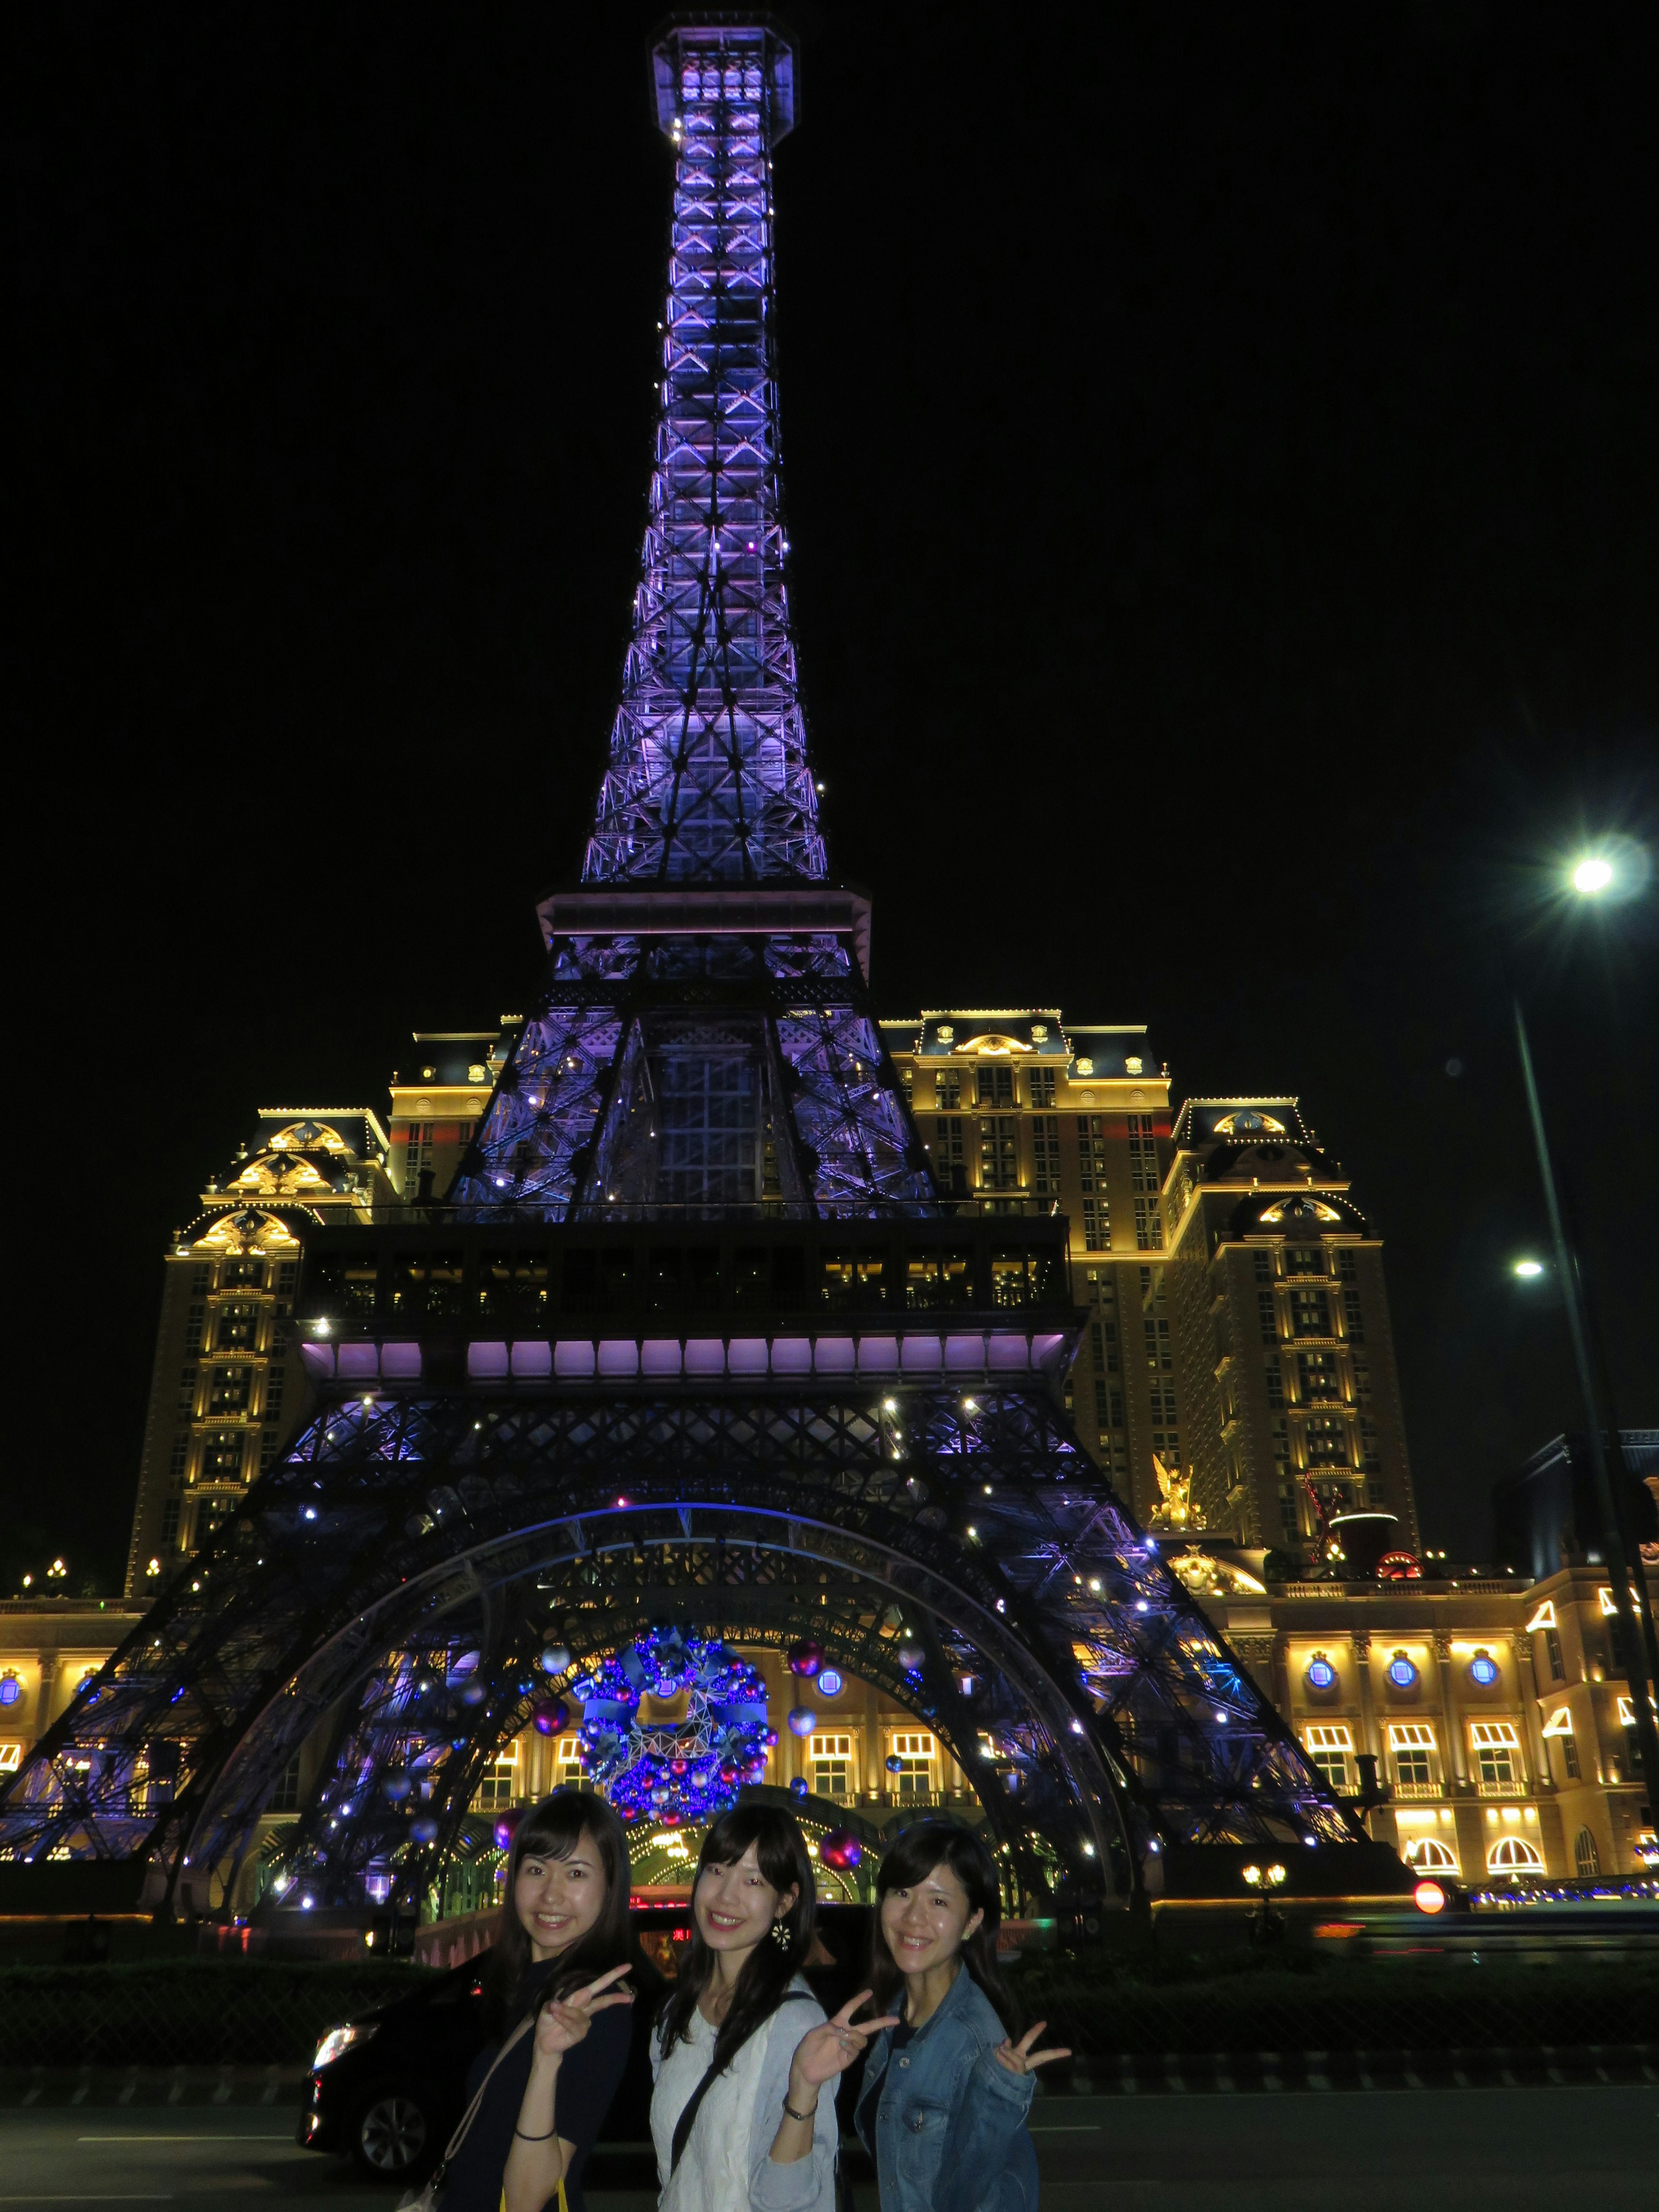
(1527, 1270)
(1595, 876)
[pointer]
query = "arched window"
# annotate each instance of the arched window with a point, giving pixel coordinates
(1585, 1856)
(1514, 1855)
(1428, 1855)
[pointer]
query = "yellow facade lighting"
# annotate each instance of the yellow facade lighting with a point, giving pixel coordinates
(1544, 1618)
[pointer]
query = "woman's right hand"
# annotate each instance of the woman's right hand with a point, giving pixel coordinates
(563, 2022)
(823, 2052)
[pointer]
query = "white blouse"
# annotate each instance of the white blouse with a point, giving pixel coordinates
(728, 2165)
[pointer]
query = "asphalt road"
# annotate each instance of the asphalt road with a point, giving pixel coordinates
(1523, 2151)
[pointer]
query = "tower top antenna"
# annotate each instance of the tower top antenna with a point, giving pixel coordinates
(708, 781)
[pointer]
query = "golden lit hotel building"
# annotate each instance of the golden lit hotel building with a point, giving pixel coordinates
(1235, 1377)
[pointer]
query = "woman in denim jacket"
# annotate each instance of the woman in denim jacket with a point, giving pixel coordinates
(946, 2091)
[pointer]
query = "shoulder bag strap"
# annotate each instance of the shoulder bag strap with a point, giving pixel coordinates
(471, 2111)
(687, 2120)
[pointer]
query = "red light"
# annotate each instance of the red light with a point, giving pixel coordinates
(1429, 1897)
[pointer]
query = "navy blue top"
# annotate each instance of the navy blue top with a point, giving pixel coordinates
(588, 2080)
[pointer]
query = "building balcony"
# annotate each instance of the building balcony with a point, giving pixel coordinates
(1409, 1792)
(1513, 1790)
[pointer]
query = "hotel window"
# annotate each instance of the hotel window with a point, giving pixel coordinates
(1353, 1321)
(1370, 1455)
(995, 1087)
(1553, 1648)
(170, 1515)
(1327, 1441)
(949, 1154)
(830, 1758)
(1267, 1317)
(1264, 1267)
(914, 1749)
(272, 1404)
(1092, 1153)
(195, 1323)
(1412, 1744)
(499, 1783)
(908, 1084)
(1330, 1746)
(1045, 1154)
(1103, 1342)
(1362, 1382)
(232, 1387)
(1276, 1387)
(1428, 1855)
(1288, 1519)
(1310, 1313)
(1316, 1380)
(1514, 1855)
(1497, 1754)
(285, 1797)
(1042, 1086)
(179, 1458)
(1570, 1756)
(947, 1090)
(1158, 1351)
(568, 1762)
(1144, 1173)
(221, 1457)
(1096, 1225)
(237, 1328)
(998, 1149)
(1586, 1858)
(1149, 1226)
(187, 1391)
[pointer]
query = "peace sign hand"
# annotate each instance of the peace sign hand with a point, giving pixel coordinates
(823, 2052)
(563, 2022)
(1020, 2059)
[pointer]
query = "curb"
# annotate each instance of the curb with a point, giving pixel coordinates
(1265, 2072)
(22, 2086)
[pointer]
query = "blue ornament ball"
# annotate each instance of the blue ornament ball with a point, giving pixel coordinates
(802, 1721)
(798, 1787)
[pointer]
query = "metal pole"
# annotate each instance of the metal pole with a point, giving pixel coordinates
(1630, 1598)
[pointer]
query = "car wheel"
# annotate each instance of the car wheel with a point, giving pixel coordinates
(390, 2137)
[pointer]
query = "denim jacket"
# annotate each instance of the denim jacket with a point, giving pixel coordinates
(944, 2121)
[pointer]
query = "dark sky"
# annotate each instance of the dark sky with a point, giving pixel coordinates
(1223, 449)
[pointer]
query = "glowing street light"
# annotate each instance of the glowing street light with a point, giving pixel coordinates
(1527, 1270)
(1593, 875)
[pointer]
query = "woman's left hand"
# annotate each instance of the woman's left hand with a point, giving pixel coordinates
(564, 2022)
(1020, 2059)
(823, 2052)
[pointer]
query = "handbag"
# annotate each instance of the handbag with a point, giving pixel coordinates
(430, 2199)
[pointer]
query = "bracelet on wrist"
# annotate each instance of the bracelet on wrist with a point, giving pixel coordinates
(523, 2137)
(793, 2114)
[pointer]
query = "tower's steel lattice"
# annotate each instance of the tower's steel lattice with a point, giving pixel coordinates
(704, 1343)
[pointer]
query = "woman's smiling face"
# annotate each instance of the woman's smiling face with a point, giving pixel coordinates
(558, 1900)
(926, 1925)
(735, 1904)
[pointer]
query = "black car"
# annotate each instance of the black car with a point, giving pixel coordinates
(387, 2087)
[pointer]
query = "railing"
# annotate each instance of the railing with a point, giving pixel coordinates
(1515, 1787)
(1406, 1792)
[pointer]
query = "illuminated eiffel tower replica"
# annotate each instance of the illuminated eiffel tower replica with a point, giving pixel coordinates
(693, 1338)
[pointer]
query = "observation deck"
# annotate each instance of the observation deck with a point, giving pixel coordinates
(450, 1296)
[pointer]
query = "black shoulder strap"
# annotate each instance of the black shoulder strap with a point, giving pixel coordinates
(688, 2118)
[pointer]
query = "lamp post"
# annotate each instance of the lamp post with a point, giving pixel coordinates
(1595, 877)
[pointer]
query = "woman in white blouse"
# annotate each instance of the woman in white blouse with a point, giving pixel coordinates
(743, 2049)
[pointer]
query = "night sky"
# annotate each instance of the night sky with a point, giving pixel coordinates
(1222, 454)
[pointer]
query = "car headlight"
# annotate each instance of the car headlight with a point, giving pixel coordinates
(339, 2040)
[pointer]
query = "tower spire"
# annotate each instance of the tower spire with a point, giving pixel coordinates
(708, 781)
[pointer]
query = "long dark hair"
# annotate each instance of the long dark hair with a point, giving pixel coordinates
(771, 1965)
(906, 1864)
(552, 1830)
